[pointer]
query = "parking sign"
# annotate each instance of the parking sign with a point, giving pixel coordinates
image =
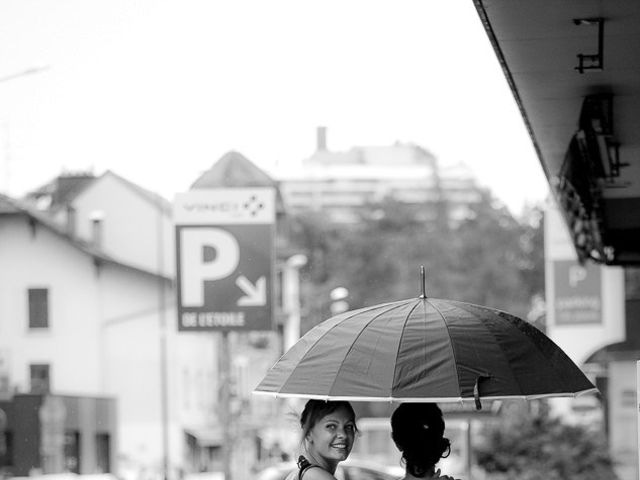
(578, 295)
(225, 256)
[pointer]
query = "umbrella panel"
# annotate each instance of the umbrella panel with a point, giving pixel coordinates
(426, 359)
(424, 350)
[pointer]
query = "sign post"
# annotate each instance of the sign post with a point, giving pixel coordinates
(225, 404)
(225, 257)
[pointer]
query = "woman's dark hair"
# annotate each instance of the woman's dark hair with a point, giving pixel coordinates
(418, 431)
(314, 410)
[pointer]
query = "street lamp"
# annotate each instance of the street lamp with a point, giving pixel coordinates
(339, 301)
(291, 298)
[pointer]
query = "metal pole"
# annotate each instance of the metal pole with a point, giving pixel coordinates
(291, 307)
(291, 298)
(638, 411)
(469, 452)
(225, 405)
(164, 402)
(162, 307)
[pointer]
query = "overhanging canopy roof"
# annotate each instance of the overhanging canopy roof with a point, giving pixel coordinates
(574, 69)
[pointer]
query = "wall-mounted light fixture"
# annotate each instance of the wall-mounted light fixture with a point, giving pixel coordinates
(591, 61)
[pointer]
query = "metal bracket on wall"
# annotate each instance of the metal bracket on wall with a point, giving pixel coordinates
(592, 61)
(614, 159)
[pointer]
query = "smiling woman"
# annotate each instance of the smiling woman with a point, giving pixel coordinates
(328, 433)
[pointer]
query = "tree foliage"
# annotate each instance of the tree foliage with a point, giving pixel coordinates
(487, 257)
(537, 446)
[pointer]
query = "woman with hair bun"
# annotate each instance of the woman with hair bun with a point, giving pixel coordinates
(418, 431)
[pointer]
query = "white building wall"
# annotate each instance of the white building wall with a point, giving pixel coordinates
(196, 380)
(70, 345)
(132, 341)
(130, 327)
(580, 340)
(104, 339)
(131, 224)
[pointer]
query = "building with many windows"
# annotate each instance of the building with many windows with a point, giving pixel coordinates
(342, 183)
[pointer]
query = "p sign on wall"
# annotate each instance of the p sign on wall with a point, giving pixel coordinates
(225, 256)
(578, 295)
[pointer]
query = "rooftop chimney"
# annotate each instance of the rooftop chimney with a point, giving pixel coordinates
(322, 139)
(96, 217)
(71, 221)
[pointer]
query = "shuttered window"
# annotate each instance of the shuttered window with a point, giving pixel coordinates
(38, 308)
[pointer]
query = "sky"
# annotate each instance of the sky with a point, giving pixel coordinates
(158, 90)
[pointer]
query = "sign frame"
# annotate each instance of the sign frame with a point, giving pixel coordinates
(225, 257)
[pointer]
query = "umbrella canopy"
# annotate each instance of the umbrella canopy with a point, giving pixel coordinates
(424, 350)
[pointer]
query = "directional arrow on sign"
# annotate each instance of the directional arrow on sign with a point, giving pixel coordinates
(255, 295)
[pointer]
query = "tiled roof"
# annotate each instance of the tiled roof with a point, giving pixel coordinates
(66, 187)
(6, 205)
(150, 196)
(63, 189)
(233, 170)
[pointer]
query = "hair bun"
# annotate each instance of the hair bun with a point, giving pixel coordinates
(418, 429)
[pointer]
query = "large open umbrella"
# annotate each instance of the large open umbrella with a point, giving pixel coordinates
(424, 350)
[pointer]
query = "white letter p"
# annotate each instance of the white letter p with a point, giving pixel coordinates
(195, 243)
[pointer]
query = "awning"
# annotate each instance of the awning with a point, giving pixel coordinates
(585, 97)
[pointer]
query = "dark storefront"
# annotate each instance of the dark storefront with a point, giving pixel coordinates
(55, 434)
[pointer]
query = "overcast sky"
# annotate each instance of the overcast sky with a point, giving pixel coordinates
(159, 90)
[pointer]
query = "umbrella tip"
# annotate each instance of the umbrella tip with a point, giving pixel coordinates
(422, 280)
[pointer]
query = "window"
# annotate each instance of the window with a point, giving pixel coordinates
(6, 448)
(5, 385)
(38, 308)
(40, 378)
(103, 452)
(72, 451)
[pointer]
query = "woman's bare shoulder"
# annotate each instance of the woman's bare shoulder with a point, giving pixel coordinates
(439, 476)
(317, 473)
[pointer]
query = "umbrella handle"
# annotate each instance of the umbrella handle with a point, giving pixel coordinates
(476, 390)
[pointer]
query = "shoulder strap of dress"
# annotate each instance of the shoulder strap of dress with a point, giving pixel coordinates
(303, 466)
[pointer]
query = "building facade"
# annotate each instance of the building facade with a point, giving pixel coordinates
(87, 309)
(591, 315)
(42, 433)
(343, 183)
